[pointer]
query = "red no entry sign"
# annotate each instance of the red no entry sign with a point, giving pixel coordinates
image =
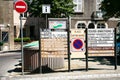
(20, 6)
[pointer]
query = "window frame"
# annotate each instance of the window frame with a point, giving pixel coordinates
(98, 2)
(77, 3)
(80, 22)
(105, 25)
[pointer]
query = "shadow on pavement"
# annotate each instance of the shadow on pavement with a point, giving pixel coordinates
(102, 61)
(106, 60)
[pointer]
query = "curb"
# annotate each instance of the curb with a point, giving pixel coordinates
(66, 77)
(1, 52)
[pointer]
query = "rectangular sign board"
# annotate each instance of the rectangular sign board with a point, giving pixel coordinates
(46, 9)
(57, 24)
(101, 41)
(77, 45)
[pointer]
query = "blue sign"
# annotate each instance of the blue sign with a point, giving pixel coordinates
(77, 44)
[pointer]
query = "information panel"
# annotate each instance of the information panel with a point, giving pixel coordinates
(77, 45)
(101, 41)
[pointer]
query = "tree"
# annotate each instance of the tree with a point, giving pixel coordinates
(110, 8)
(59, 8)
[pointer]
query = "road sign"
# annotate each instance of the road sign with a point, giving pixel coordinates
(46, 8)
(77, 45)
(20, 6)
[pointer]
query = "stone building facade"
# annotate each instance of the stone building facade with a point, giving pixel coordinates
(86, 15)
(87, 12)
(6, 23)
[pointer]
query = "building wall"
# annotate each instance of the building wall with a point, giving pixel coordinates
(87, 15)
(6, 18)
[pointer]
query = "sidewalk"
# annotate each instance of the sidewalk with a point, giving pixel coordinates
(75, 75)
(2, 52)
(98, 68)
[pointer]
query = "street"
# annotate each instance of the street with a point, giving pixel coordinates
(8, 62)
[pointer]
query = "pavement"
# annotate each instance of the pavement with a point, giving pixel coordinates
(98, 67)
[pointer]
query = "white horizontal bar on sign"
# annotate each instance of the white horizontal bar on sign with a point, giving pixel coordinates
(20, 6)
(101, 45)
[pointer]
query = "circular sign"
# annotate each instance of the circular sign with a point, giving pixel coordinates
(77, 44)
(20, 6)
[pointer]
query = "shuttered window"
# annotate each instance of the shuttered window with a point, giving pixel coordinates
(79, 5)
(98, 2)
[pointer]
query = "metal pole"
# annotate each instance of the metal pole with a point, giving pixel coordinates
(0, 38)
(115, 52)
(46, 21)
(22, 56)
(40, 60)
(86, 54)
(68, 42)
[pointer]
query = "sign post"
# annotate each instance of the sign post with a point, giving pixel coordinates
(21, 7)
(115, 49)
(46, 10)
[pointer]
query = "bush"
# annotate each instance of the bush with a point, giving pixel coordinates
(1, 43)
(25, 39)
(118, 40)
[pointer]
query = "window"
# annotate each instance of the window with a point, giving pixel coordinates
(91, 26)
(98, 2)
(5, 36)
(81, 26)
(101, 25)
(79, 5)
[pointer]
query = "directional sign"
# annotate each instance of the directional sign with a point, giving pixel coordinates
(77, 45)
(20, 6)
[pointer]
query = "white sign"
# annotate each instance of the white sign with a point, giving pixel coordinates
(46, 8)
(77, 43)
(100, 38)
(54, 34)
(57, 25)
(77, 33)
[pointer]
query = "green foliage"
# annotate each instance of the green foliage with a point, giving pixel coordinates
(118, 40)
(25, 39)
(111, 8)
(1, 43)
(59, 8)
